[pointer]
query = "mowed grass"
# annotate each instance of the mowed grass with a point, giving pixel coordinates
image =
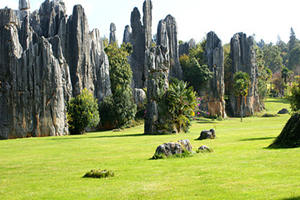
(241, 167)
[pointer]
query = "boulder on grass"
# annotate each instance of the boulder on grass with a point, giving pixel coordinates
(207, 134)
(204, 149)
(181, 148)
(283, 111)
(290, 135)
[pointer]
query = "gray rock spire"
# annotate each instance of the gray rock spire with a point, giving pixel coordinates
(243, 56)
(112, 35)
(24, 5)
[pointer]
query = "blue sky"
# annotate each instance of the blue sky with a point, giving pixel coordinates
(265, 18)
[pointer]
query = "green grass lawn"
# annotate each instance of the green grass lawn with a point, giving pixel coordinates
(241, 167)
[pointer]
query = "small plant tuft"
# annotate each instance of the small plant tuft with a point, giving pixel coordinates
(98, 173)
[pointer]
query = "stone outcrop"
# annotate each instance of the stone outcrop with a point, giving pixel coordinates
(213, 101)
(167, 34)
(45, 59)
(34, 86)
(158, 68)
(139, 97)
(243, 58)
(185, 47)
(112, 34)
(173, 149)
(207, 134)
(127, 34)
(141, 40)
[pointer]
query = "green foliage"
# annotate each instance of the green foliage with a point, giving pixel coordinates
(295, 97)
(98, 173)
(195, 74)
(241, 84)
(82, 112)
(294, 57)
(118, 109)
(264, 74)
(176, 107)
(272, 57)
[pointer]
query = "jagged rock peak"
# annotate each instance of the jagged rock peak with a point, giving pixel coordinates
(112, 35)
(127, 34)
(186, 46)
(147, 22)
(24, 5)
(243, 56)
(213, 101)
(169, 26)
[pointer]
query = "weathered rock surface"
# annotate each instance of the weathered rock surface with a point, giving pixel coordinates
(137, 57)
(186, 47)
(172, 148)
(33, 87)
(167, 34)
(112, 34)
(141, 40)
(158, 68)
(290, 135)
(283, 111)
(127, 34)
(204, 149)
(207, 134)
(44, 59)
(139, 97)
(213, 101)
(243, 58)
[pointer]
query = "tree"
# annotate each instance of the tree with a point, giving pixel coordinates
(294, 57)
(82, 112)
(176, 107)
(272, 57)
(119, 109)
(195, 74)
(295, 97)
(241, 86)
(293, 39)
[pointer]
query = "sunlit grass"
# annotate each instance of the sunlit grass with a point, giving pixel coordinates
(239, 168)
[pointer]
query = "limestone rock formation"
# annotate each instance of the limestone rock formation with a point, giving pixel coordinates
(112, 34)
(137, 57)
(158, 68)
(147, 22)
(127, 34)
(290, 135)
(207, 134)
(213, 101)
(173, 148)
(46, 58)
(141, 40)
(33, 86)
(167, 34)
(243, 58)
(139, 97)
(185, 47)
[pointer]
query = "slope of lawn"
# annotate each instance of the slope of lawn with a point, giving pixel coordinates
(241, 167)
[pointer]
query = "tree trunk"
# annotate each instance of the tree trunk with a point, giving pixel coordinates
(241, 109)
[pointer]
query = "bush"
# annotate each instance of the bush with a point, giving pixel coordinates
(118, 109)
(98, 173)
(176, 107)
(82, 112)
(295, 97)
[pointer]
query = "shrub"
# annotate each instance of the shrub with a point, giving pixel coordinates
(118, 109)
(98, 173)
(82, 112)
(295, 97)
(176, 107)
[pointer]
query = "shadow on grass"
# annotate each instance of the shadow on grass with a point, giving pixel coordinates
(291, 198)
(205, 121)
(258, 139)
(104, 136)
